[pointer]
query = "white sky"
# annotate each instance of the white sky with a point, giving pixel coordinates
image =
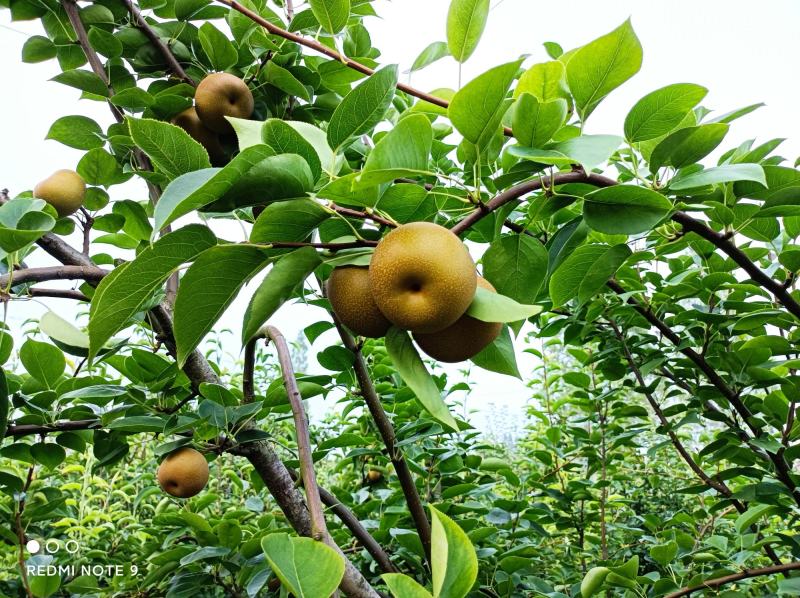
(743, 52)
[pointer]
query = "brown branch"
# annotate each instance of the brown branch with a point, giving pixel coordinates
(517, 191)
(319, 531)
(387, 433)
(63, 426)
(724, 243)
(58, 294)
(88, 273)
(350, 213)
(141, 24)
(328, 246)
(717, 582)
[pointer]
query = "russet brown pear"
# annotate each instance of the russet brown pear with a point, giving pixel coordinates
(349, 292)
(462, 340)
(191, 123)
(422, 277)
(220, 95)
(183, 473)
(64, 190)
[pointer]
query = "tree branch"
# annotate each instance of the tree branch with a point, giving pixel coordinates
(141, 24)
(63, 426)
(387, 433)
(350, 213)
(717, 582)
(88, 273)
(57, 294)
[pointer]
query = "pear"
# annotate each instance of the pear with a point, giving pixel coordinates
(64, 190)
(220, 95)
(183, 473)
(349, 292)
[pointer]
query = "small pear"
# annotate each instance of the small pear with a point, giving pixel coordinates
(191, 123)
(64, 190)
(183, 473)
(220, 95)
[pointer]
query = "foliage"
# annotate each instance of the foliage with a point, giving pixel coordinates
(659, 305)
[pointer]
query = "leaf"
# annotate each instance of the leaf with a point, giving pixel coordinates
(38, 48)
(545, 81)
(98, 167)
(663, 554)
(203, 553)
(43, 586)
(64, 334)
(499, 356)
(687, 146)
(362, 108)
(624, 209)
(661, 110)
(284, 80)
(43, 361)
(466, 20)
(171, 149)
(121, 294)
(207, 288)
(752, 515)
(79, 132)
(414, 373)
(308, 568)
(318, 139)
(285, 139)
(727, 173)
(219, 49)
(601, 66)
(22, 222)
(516, 265)
(403, 151)
(279, 284)
(138, 423)
(403, 586)
(292, 220)
(454, 562)
(429, 55)
(194, 190)
(84, 80)
(593, 580)
(477, 109)
(534, 123)
(589, 151)
(494, 307)
(731, 116)
(331, 14)
(585, 272)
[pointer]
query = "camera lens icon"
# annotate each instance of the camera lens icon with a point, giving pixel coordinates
(52, 546)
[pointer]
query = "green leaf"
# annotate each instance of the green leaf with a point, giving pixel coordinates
(279, 284)
(589, 151)
(477, 109)
(429, 55)
(545, 81)
(122, 293)
(43, 586)
(362, 108)
(84, 80)
(207, 288)
(534, 123)
(454, 562)
(731, 116)
(64, 334)
(138, 423)
(218, 47)
(194, 190)
(306, 567)
(624, 209)
(22, 222)
(414, 373)
(403, 151)
(289, 221)
(494, 307)
(516, 265)
(663, 554)
(601, 66)
(331, 14)
(171, 149)
(593, 580)
(661, 110)
(585, 272)
(727, 173)
(285, 139)
(284, 80)
(105, 43)
(98, 167)
(466, 20)
(38, 48)
(79, 132)
(203, 553)
(43, 361)
(402, 586)
(686, 146)
(499, 356)
(752, 515)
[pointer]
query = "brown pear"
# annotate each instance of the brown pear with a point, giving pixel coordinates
(422, 277)
(462, 340)
(220, 95)
(350, 296)
(191, 123)
(64, 190)
(183, 473)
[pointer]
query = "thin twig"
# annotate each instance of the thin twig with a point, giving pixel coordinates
(21, 531)
(717, 582)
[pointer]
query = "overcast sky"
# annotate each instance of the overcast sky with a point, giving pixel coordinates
(743, 52)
